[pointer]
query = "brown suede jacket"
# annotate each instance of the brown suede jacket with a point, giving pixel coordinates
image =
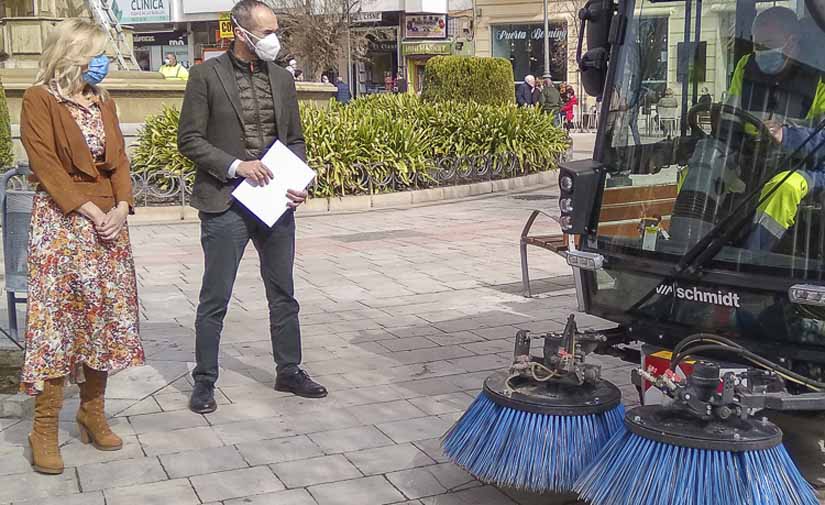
(61, 160)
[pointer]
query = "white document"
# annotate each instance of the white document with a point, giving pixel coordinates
(270, 202)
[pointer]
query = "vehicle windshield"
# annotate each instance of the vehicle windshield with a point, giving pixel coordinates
(713, 112)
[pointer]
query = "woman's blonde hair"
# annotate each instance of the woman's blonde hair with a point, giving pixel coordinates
(71, 44)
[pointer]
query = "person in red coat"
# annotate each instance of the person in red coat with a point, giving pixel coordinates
(567, 109)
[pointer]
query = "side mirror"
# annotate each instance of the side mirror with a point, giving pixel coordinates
(596, 18)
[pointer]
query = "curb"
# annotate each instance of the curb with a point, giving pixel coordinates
(362, 203)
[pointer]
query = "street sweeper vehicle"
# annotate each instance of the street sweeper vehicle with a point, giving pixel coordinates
(699, 230)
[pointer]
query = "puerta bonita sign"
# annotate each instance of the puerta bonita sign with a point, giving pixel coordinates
(141, 11)
(557, 34)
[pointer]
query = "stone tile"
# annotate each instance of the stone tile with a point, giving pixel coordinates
(146, 406)
(26, 486)
(443, 404)
(415, 429)
(218, 459)
(236, 484)
(408, 344)
(180, 440)
(384, 412)
(291, 497)
(139, 382)
(178, 400)
(94, 498)
(76, 453)
(450, 475)
(241, 412)
(486, 495)
(432, 448)
(170, 492)
(389, 459)
(366, 491)
(14, 460)
(416, 483)
(351, 439)
(279, 450)
(127, 472)
(259, 429)
(365, 395)
(308, 472)
(166, 421)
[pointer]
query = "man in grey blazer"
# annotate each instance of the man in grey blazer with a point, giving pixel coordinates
(236, 106)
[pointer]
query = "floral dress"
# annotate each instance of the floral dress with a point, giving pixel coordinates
(82, 299)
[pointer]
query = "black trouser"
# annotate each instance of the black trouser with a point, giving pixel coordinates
(224, 237)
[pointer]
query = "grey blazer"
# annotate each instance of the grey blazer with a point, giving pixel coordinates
(211, 128)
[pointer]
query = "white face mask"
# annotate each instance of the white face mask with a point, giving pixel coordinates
(266, 48)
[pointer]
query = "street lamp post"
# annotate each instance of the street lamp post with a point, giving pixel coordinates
(546, 41)
(351, 84)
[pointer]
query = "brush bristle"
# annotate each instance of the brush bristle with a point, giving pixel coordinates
(638, 471)
(522, 450)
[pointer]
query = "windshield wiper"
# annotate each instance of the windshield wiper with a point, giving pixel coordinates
(710, 245)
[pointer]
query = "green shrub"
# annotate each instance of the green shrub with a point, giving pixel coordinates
(373, 138)
(6, 145)
(156, 148)
(407, 135)
(468, 78)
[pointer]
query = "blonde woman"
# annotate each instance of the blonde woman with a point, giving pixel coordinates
(82, 301)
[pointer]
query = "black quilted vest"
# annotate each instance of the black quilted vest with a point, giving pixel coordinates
(257, 104)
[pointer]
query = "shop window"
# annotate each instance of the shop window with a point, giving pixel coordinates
(523, 45)
(652, 41)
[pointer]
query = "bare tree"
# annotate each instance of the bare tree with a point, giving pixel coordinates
(315, 32)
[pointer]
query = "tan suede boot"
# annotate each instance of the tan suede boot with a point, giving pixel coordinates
(43, 437)
(91, 418)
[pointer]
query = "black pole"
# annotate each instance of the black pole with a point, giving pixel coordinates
(697, 38)
(686, 74)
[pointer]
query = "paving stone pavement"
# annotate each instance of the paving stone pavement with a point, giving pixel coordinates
(404, 313)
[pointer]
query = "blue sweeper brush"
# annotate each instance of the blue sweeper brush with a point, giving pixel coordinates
(701, 449)
(538, 425)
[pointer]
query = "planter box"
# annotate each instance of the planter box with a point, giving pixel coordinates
(387, 200)
(359, 202)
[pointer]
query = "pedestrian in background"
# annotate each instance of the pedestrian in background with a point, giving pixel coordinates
(343, 95)
(526, 95)
(568, 107)
(82, 299)
(235, 107)
(550, 99)
(173, 70)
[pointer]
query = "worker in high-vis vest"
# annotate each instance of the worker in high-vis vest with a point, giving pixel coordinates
(173, 70)
(771, 84)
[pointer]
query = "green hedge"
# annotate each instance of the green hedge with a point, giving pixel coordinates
(468, 78)
(399, 135)
(6, 145)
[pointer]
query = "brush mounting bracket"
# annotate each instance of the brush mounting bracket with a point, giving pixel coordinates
(708, 397)
(563, 356)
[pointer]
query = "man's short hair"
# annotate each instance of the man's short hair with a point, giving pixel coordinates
(242, 12)
(777, 18)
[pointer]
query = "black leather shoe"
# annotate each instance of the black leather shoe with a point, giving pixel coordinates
(202, 400)
(299, 383)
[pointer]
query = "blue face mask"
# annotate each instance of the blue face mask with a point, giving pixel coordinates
(97, 71)
(770, 61)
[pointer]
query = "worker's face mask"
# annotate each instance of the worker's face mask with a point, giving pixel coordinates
(267, 48)
(169, 61)
(770, 61)
(98, 70)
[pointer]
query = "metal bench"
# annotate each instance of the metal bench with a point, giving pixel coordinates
(16, 207)
(556, 243)
(622, 210)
